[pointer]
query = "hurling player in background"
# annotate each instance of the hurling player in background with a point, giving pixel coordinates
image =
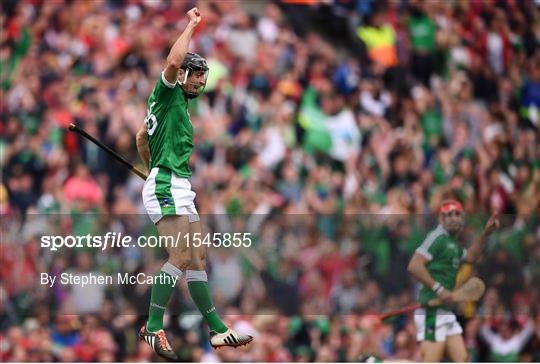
(165, 143)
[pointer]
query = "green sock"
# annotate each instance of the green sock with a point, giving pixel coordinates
(162, 291)
(200, 293)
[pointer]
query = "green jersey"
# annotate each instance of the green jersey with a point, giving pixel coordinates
(423, 32)
(170, 132)
(444, 256)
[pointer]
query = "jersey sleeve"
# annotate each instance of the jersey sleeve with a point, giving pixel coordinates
(164, 89)
(430, 246)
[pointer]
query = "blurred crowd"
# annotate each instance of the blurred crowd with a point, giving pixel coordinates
(328, 129)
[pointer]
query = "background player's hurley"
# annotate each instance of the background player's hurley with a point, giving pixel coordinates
(470, 291)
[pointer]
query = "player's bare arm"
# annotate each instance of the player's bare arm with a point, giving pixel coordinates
(478, 245)
(180, 47)
(417, 268)
(141, 140)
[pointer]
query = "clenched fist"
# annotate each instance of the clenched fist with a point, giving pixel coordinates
(194, 16)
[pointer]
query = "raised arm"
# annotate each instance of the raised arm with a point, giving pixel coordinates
(180, 47)
(525, 334)
(478, 245)
(487, 334)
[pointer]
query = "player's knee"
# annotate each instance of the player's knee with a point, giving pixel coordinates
(199, 260)
(197, 264)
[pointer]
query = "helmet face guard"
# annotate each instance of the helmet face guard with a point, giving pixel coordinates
(193, 63)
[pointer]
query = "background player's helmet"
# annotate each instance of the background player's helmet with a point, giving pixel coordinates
(191, 64)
